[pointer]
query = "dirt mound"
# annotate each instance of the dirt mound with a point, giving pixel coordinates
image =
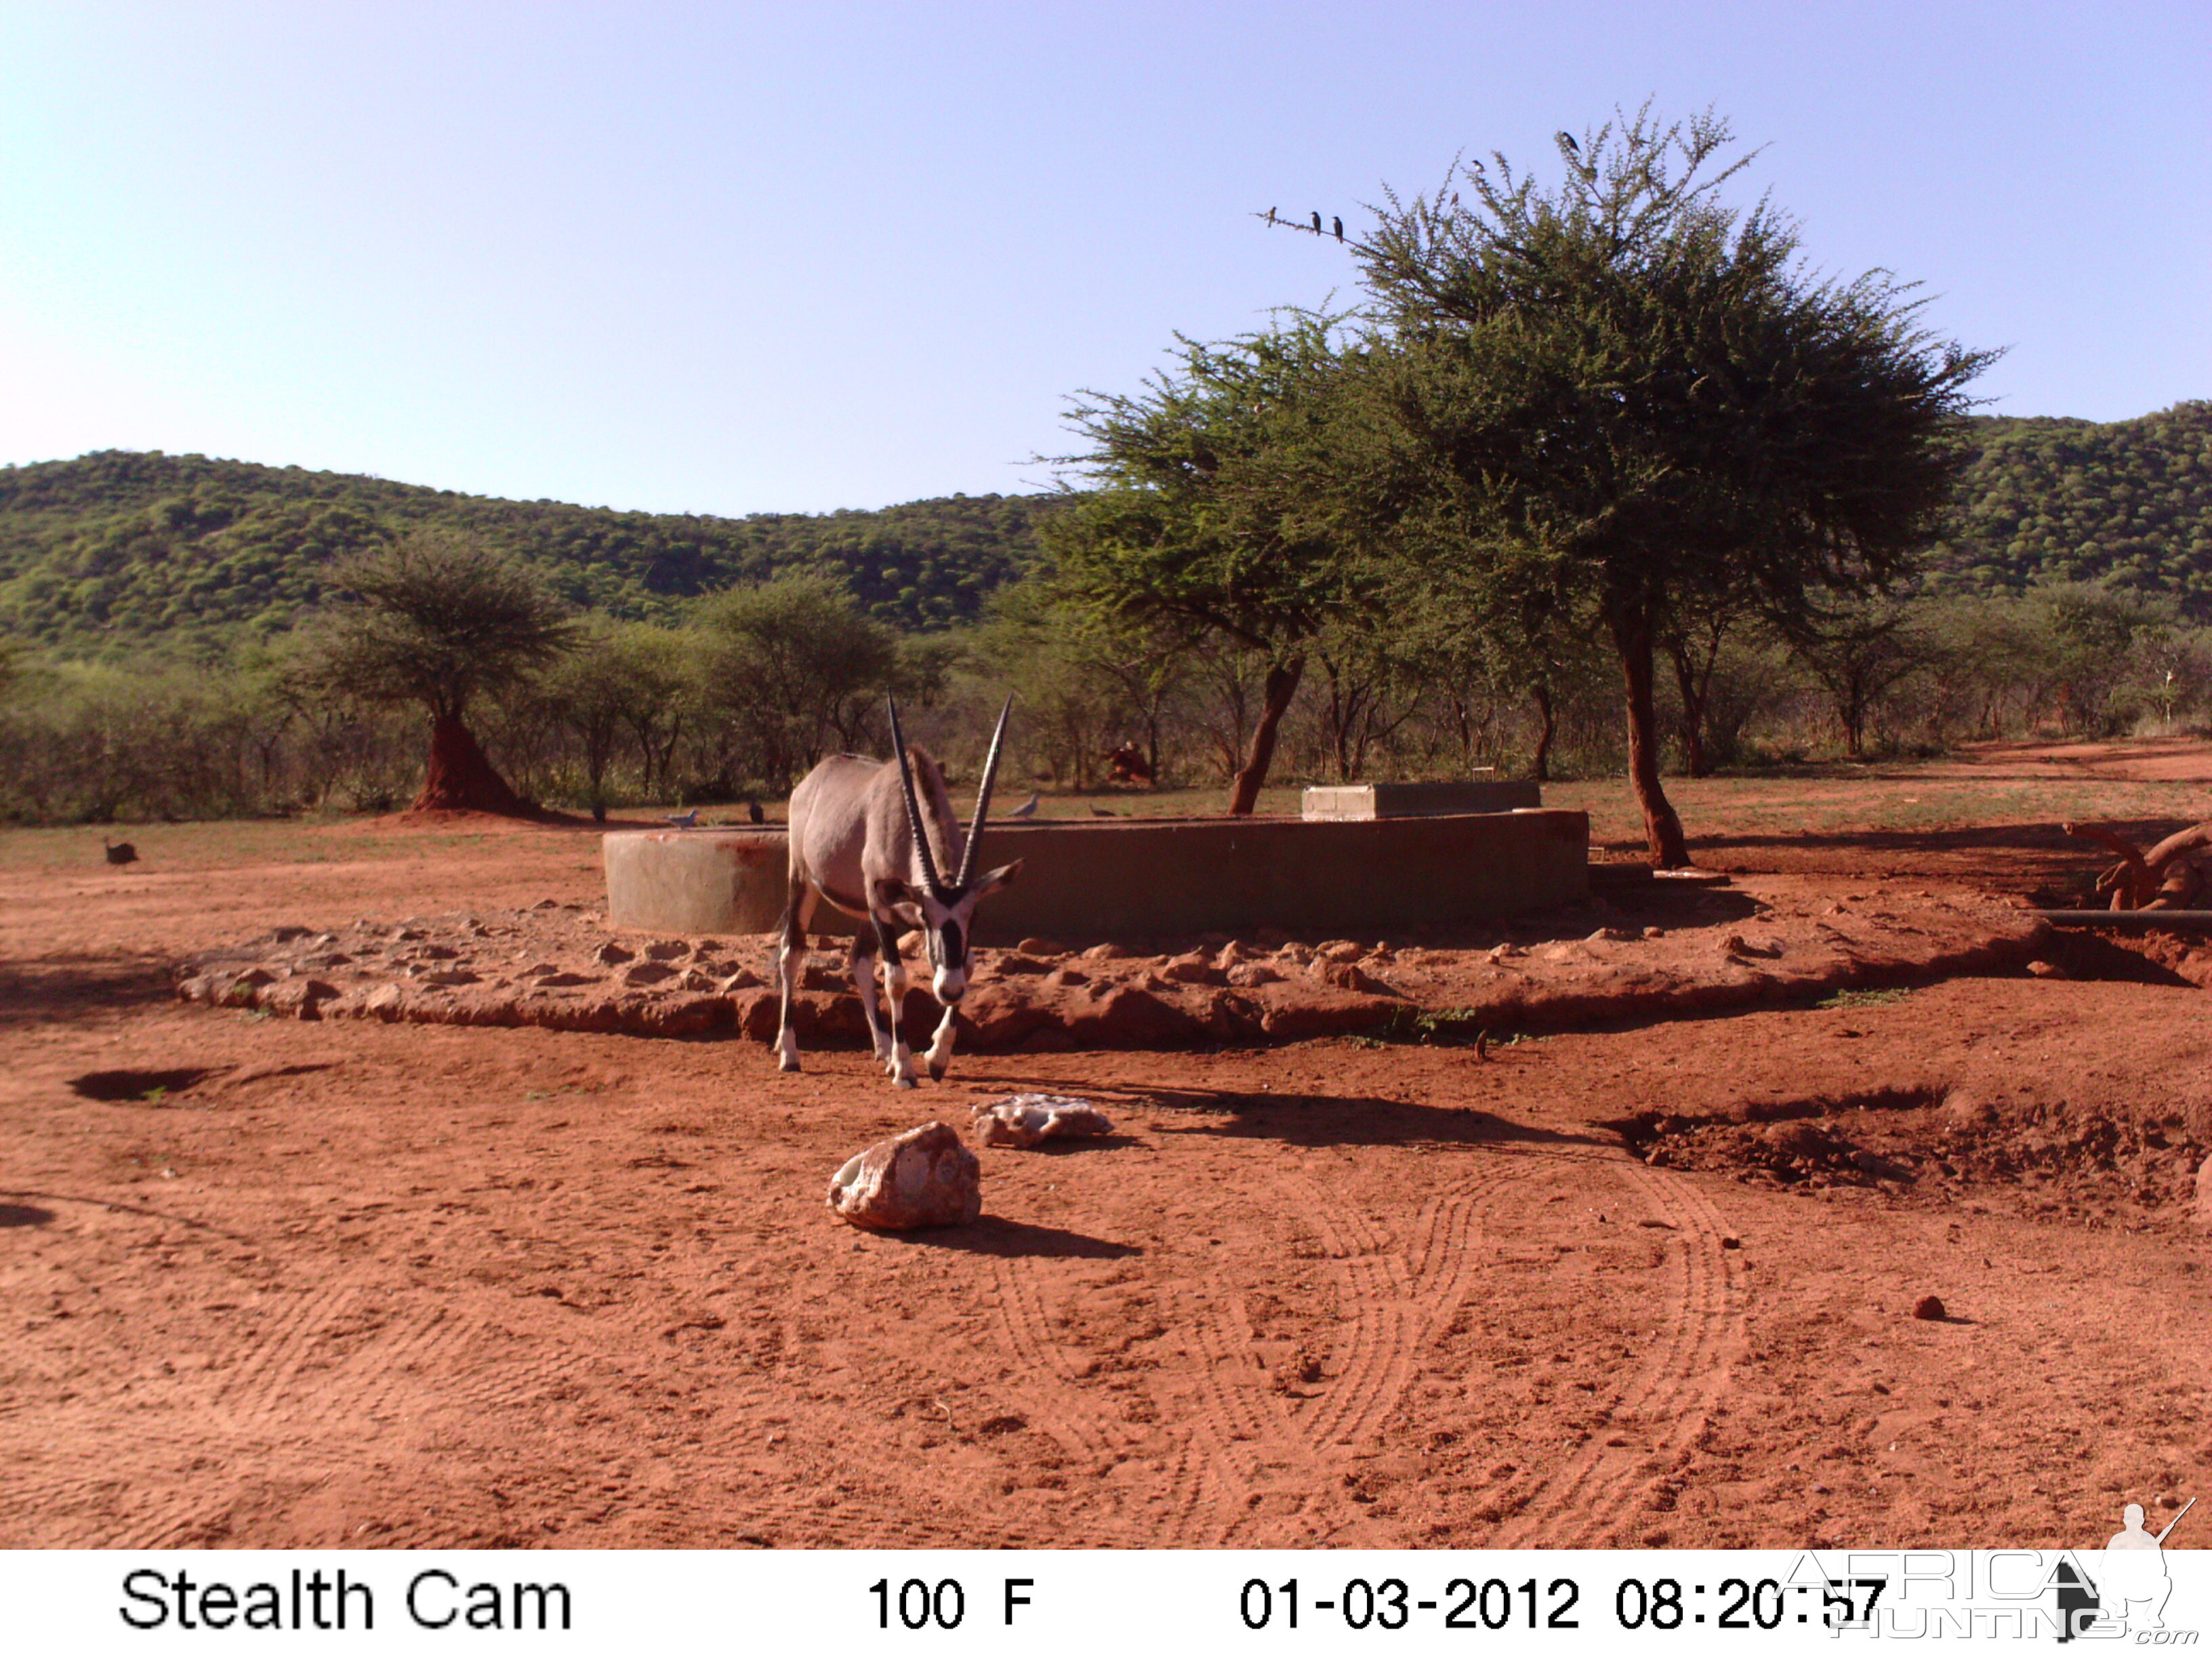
(2074, 1162)
(1669, 949)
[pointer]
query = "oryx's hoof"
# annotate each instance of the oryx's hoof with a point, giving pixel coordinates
(937, 1071)
(788, 1063)
(905, 1083)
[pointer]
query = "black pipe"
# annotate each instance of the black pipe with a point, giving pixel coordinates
(2179, 921)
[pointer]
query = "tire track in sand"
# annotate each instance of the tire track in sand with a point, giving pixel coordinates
(250, 1392)
(1684, 1372)
(1050, 1389)
(1258, 1475)
(1402, 1299)
(84, 1502)
(1403, 1289)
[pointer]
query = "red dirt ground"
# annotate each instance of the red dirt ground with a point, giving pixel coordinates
(275, 1283)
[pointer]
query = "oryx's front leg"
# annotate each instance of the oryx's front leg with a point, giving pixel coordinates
(940, 1048)
(864, 984)
(790, 959)
(899, 1062)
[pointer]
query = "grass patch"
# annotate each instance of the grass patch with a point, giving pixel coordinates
(1862, 998)
(1439, 1028)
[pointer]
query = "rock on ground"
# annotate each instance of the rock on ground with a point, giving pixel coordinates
(1026, 1119)
(926, 1177)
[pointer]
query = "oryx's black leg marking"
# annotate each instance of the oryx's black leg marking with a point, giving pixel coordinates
(901, 1060)
(953, 948)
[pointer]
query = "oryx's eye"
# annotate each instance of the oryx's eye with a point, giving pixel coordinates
(953, 953)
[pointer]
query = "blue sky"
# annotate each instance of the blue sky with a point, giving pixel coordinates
(733, 259)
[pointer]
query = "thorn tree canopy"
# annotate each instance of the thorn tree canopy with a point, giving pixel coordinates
(798, 666)
(1640, 390)
(439, 620)
(1195, 518)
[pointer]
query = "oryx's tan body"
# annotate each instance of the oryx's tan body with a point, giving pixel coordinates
(854, 829)
(847, 817)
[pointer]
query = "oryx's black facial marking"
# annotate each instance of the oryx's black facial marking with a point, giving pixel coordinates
(952, 953)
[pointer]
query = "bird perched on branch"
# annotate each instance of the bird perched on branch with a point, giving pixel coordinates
(1271, 215)
(1339, 223)
(120, 852)
(1573, 148)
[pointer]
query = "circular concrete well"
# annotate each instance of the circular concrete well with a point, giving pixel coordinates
(1082, 881)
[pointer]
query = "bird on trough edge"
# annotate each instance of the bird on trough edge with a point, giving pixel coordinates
(684, 820)
(120, 852)
(1026, 810)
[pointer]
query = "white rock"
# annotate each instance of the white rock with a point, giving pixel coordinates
(926, 1177)
(1026, 1119)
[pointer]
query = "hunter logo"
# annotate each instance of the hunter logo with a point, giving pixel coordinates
(2116, 1594)
(2125, 1587)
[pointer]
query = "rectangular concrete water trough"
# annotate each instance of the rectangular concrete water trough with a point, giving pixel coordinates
(1085, 882)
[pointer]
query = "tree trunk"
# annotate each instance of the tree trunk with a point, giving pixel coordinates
(1282, 685)
(1547, 729)
(458, 778)
(1686, 680)
(1662, 829)
(1852, 711)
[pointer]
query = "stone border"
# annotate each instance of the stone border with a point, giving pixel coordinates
(564, 968)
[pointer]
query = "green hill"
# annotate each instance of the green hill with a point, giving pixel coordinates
(2129, 501)
(116, 551)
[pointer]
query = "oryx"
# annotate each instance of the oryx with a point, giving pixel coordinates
(872, 838)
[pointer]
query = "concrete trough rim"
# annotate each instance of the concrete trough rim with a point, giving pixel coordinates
(1114, 878)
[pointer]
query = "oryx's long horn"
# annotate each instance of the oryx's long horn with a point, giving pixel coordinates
(914, 818)
(983, 797)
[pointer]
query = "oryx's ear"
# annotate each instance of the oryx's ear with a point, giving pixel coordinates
(994, 879)
(901, 900)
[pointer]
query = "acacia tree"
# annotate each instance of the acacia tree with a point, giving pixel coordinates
(438, 619)
(1488, 629)
(1195, 518)
(1637, 388)
(1862, 652)
(623, 677)
(796, 667)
